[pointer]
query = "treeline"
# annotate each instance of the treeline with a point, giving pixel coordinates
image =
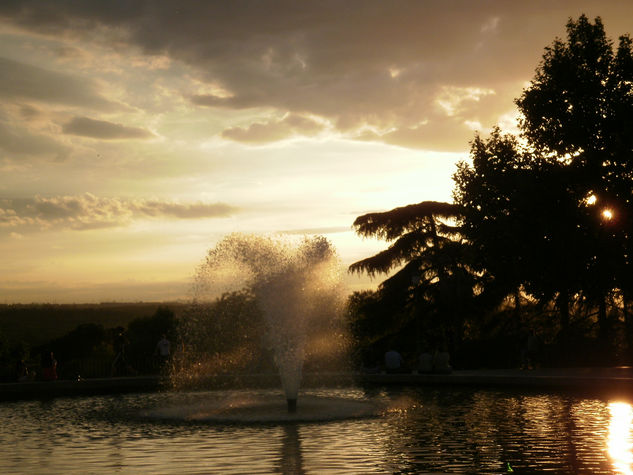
(35, 324)
(84, 338)
(538, 242)
(228, 335)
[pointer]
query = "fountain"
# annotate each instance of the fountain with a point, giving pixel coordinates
(285, 302)
(295, 295)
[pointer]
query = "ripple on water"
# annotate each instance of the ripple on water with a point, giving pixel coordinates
(423, 430)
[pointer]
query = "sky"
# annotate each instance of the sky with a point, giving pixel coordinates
(134, 135)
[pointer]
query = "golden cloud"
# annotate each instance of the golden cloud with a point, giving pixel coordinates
(91, 212)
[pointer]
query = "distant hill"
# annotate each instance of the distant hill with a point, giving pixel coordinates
(39, 323)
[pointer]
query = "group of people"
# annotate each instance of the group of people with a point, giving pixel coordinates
(48, 369)
(438, 362)
(120, 364)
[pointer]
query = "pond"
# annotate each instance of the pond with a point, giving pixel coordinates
(413, 430)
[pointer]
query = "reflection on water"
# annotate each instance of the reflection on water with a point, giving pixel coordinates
(619, 443)
(424, 430)
(291, 461)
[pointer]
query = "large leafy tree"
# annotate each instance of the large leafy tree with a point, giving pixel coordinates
(578, 110)
(521, 222)
(536, 211)
(431, 284)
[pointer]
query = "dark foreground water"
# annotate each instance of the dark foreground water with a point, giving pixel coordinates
(408, 431)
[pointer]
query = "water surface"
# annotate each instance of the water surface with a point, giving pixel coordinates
(413, 431)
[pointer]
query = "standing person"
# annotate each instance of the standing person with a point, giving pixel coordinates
(530, 351)
(49, 366)
(119, 364)
(163, 350)
(21, 371)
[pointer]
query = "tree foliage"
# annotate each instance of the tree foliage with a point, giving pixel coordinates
(415, 233)
(546, 215)
(143, 333)
(550, 213)
(432, 285)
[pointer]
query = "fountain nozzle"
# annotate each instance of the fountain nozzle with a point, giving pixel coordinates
(292, 406)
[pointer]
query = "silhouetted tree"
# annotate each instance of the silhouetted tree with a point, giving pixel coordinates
(433, 286)
(377, 322)
(535, 213)
(143, 334)
(521, 221)
(78, 343)
(578, 110)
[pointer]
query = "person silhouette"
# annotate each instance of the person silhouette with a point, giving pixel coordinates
(21, 371)
(163, 350)
(394, 363)
(49, 366)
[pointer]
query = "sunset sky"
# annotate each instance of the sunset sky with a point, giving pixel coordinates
(134, 135)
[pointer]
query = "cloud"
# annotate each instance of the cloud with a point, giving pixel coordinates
(356, 64)
(446, 134)
(323, 230)
(19, 141)
(182, 211)
(452, 99)
(23, 81)
(90, 212)
(99, 129)
(274, 130)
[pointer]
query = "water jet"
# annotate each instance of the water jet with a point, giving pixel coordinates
(280, 300)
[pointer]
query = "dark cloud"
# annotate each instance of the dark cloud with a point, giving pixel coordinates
(90, 212)
(355, 63)
(24, 81)
(100, 129)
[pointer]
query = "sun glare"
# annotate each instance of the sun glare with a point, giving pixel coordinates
(619, 443)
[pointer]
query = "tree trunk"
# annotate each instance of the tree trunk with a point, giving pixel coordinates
(518, 324)
(603, 324)
(603, 332)
(564, 337)
(628, 328)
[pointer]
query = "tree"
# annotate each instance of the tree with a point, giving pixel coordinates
(370, 330)
(521, 222)
(553, 216)
(579, 108)
(433, 285)
(144, 332)
(78, 343)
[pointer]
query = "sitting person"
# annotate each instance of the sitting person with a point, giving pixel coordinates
(441, 362)
(394, 363)
(425, 363)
